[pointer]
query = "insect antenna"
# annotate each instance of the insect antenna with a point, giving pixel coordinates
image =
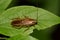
(37, 11)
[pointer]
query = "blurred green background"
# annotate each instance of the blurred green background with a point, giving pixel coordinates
(50, 5)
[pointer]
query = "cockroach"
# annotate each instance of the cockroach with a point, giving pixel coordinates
(23, 22)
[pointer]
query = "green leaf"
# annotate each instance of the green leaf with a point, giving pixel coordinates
(50, 5)
(8, 30)
(45, 19)
(22, 37)
(4, 4)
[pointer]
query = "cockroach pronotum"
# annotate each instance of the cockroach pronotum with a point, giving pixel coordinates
(17, 22)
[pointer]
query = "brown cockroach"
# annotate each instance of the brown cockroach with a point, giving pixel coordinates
(23, 22)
